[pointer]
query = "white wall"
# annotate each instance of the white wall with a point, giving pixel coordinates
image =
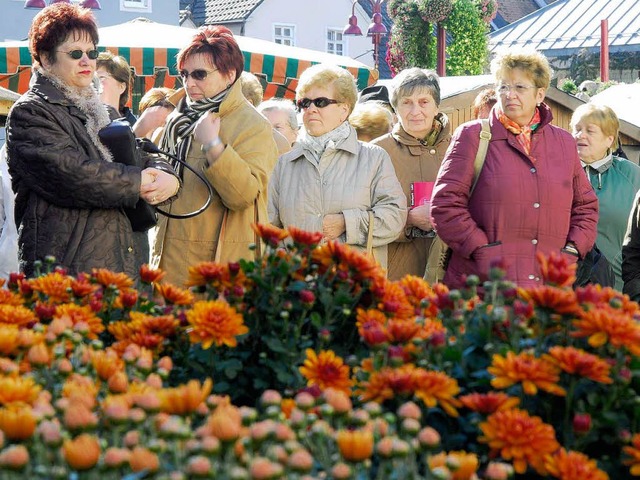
(311, 19)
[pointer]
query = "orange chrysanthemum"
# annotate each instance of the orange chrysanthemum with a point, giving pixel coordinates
(107, 278)
(80, 387)
(389, 382)
(106, 363)
(16, 315)
(431, 328)
(555, 270)
(81, 314)
(215, 322)
(578, 362)
(437, 388)
(326, 370)
(302, 237)
(216, 275)
(403, 330)
(18, 390)
(17, 421)
(151, 275)
(83, 452)
(524, 368)
(607, 324)
(466, 464)
(573, 466)
(164, 325)
(54, 285)
(9, 339)
(516, 436)
(8, 297)
(269, 234)
(355, 445)
(633, 452)
(174, 295)
(184, 399)
(393, 301)
(152, 341)
(420, 295)
(82, 286)
(558, 300)
(488, 403)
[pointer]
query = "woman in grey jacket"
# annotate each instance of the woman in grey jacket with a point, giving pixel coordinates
(329, 181)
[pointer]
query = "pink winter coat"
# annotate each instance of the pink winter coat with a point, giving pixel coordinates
(522, 204)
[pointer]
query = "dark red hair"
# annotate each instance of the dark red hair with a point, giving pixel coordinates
(218, 43)
(51, 27)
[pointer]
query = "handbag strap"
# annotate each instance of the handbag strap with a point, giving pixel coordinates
(370, 234)
(223, 227)
(256, 237)
(481, 154)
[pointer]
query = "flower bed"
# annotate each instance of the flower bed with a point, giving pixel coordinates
(309, 364)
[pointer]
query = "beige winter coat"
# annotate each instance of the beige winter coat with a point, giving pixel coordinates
(239, 178)
(350, 179)
(414, 161)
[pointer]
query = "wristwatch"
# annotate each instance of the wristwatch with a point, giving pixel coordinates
(213, 143)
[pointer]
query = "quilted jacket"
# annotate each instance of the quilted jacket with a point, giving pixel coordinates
(350, 179)
(522, 204)
(68, 198)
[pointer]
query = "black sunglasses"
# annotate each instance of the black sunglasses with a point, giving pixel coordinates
(77, 54)
(319, 102)
(198, 74)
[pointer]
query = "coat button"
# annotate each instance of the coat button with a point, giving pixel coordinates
(130, 249)
(432, 151)
(532, 277)
(533, 170)
(536, 205)
(534, 241)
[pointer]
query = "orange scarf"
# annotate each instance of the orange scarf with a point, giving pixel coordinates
(523, 134)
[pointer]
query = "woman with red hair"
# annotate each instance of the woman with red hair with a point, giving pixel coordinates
(216, 131)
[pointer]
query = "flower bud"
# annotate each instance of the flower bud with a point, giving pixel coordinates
(581, 423)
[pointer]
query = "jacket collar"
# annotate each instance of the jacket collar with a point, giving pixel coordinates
(349, 145)
(416, 146)
(44, 88)
(498, 132)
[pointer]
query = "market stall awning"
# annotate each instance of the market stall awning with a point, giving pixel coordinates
(151, 48)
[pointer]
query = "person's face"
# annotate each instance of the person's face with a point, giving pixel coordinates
(318, 121)
(74, 73)
(518, 96)
(208, 87)
(110, 88)
(416, 113)
(592, 142)
(280, 121)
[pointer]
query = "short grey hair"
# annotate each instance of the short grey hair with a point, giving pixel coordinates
(411, 80)
(282, 105)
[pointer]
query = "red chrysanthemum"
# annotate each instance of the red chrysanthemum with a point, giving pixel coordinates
(488, 403)
(269, 234)
(555, 270)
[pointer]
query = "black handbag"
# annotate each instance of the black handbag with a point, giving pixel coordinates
(121, 142)
(594, 268)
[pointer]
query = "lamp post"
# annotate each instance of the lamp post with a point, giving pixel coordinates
(376, 30)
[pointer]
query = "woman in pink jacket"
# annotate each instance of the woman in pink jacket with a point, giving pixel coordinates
(531, 195)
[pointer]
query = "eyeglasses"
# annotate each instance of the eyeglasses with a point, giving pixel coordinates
(77, 54)
(519, 89)
(198, 74)
(319, 102)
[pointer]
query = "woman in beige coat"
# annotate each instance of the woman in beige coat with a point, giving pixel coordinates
(220, 134)
(330, 181)
(416, 146)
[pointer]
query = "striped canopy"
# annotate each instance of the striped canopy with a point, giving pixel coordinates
(151, 49)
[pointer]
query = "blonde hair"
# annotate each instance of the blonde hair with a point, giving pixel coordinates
(371, 120)
(156, 96)
(600, 115)
(325, 76)
(533, 64)
(251, 88)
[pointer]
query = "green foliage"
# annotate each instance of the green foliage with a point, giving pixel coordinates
(467, 53)
(569, 86)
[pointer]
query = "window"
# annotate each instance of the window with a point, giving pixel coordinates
(335, 42)
(135, 5)
(284, 34)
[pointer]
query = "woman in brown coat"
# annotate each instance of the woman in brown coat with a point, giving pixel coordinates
(217, 132)
(416, 146)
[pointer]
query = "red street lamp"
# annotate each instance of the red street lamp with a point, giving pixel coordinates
(376, 30)
(35, 4)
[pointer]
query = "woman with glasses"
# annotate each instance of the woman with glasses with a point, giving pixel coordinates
(416, 146)
(531, 196)
(217, 132)
(330, 181)
(114, 74)
(70, 193)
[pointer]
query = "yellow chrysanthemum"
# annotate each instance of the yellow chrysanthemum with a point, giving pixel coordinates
(17, 421)
(215, 322)
(326, 370)
(524, 368)
(184, 399)
(18, 390)
(16, 315)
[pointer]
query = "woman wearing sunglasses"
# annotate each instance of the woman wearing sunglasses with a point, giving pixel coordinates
(330, 181)
(531, 197)
(216, 131)
(70, 192)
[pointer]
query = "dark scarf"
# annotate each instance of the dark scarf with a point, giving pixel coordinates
(179, 131)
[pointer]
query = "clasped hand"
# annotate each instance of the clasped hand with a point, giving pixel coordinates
(157, 186)
(419, 217)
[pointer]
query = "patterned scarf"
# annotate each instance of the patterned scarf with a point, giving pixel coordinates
(439, 122)
(523, 134)
(179, 131)
(317, 145)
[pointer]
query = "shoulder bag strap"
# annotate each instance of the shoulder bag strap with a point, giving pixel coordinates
(370, 234)
(223, 227)
(485, 137)
(256, 237)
